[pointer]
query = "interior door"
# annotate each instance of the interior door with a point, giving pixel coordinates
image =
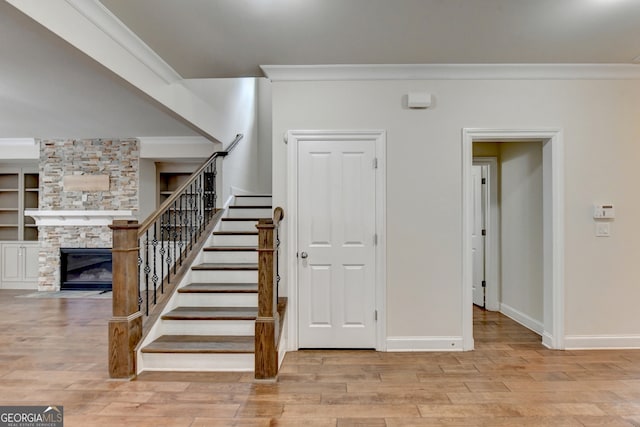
(336, 248)
(478, 173)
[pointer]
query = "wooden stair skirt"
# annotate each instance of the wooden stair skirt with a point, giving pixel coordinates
(212, 321)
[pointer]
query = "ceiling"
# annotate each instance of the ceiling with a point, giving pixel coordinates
(231, 38)
(49, 89)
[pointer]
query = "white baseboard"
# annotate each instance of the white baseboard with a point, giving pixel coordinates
(601, 342)
(424, 343)
(523, 319)
(547, 340)
(229, 201)
(240, 191)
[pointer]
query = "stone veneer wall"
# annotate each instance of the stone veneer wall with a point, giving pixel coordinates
(117, 158)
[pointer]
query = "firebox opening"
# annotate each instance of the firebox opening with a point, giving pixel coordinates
(85, 269)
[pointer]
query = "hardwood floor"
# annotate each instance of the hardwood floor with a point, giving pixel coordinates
(53, 351)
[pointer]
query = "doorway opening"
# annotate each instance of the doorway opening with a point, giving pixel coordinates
(551, 235)
(507, 231)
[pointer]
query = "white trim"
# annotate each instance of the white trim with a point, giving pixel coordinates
(547, 340)
(239, 191)
(451, 72)
(109, 24)
(424, 344)
(492, 224)
(230, 200)
(609, 342)
(523, 319)
(19, 149)
(553, 224)
(293, 138)
(77, 217)
(17, 142)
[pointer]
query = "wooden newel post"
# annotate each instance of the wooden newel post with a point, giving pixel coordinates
(125, 326)
(266, 355)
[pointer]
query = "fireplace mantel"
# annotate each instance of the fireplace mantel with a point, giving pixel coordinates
(77, 217)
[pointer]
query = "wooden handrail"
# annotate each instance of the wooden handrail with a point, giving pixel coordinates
(278, 215)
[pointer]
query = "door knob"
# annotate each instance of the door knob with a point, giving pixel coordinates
(304, 255)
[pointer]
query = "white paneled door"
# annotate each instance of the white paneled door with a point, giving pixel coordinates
(336, 244)
(478, 176)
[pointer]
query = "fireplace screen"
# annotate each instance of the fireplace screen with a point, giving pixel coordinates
(85, 269)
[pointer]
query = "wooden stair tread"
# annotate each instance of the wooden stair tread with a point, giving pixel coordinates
(196, 288)
(230, 249)
(225, 266)
(235, 233)
(201, 344)
(212, 313)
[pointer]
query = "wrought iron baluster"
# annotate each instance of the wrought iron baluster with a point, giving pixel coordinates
(138, 281)
(213, 185)
(190, 212)
(154, 277)
(147, 268)
(182, 224)
(162, 252)
(175, 238)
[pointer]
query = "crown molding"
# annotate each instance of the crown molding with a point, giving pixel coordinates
(109, 24)
(452, 72)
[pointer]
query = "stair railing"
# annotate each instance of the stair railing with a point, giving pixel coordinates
(268, 320)
(149, 259)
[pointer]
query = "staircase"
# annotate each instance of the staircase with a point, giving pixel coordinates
(209, 323)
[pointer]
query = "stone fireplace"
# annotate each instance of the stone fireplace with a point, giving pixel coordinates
(77, 218)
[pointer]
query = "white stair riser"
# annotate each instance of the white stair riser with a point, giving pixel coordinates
(230, 256)
(224, 276)
(238, 226)
(222, 299)
(252, 201)
(212, 362)
(233, 240)
(208, 327)
(250, 213)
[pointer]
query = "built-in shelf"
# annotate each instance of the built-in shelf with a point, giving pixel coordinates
(19, 190)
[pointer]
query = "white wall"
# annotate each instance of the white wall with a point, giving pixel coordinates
(146, 188)
(521, 215)
(235, 102)
(424, 185)
(264, 135)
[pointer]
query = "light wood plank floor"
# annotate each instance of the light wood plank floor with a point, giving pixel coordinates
(53, 351)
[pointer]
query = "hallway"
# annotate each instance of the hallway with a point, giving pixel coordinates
(53, 352)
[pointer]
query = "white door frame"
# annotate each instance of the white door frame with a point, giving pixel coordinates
(553, 227)
(492, 240)
(294, 137)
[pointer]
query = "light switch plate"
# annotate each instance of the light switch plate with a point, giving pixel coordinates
(603, 229)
